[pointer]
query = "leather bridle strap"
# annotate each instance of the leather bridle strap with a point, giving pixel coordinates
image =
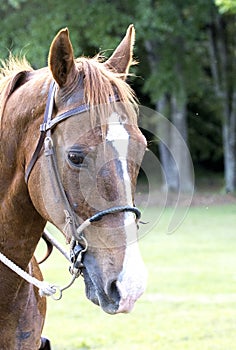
(45, 138)
(99, 215)
(48, 109)
(49, 124)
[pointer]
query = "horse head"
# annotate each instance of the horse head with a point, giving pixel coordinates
(97, 151)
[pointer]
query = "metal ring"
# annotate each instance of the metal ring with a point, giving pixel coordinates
(58, 289)
(85, 243)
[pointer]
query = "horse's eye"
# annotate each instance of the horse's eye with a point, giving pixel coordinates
(76, 158)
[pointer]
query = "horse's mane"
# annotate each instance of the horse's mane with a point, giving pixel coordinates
(100, 84)
(10, 67)
(13, 65)
(10, 71)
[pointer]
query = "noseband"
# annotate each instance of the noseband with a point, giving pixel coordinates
(46, 140)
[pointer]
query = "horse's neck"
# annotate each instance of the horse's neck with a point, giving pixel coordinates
(20, 230)
(20, 223)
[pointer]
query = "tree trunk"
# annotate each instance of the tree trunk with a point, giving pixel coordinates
(174, 153)
(179, 144)
(229, 141)
(170, 173)
(221, 44)
(172, 130)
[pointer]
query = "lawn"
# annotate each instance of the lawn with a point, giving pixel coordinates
(190, 302)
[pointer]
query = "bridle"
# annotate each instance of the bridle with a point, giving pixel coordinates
(45, 140)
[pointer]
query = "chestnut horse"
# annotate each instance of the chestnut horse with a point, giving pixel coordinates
(70, 154)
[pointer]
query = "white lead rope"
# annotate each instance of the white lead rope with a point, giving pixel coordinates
(45, 289)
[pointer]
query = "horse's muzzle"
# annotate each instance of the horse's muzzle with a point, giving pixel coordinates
(107, 298)
(116, 293)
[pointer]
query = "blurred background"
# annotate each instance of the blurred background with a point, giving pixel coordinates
(186, 70)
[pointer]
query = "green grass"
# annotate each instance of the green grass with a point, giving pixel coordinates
(190, 302)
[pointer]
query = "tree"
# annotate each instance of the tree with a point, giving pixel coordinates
(182, 48)
(171, 36)
(29, 26)
(221, 45)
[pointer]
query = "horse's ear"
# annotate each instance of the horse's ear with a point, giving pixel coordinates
(61, 57)
(121, 59)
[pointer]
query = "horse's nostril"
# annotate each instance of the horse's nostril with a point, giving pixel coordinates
(112, 291)
(113, 286)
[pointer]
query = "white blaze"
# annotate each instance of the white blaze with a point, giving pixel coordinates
(132, 279)
(120, 141)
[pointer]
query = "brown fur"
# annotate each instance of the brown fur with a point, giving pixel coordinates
(23, 214)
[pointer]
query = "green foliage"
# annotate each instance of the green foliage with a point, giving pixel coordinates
(7, 4)
(173, 32)
(226, 6)
(30, 27)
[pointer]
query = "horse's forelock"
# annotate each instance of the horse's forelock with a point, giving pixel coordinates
(100, 84)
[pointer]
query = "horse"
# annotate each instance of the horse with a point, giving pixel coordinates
(70, 154)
